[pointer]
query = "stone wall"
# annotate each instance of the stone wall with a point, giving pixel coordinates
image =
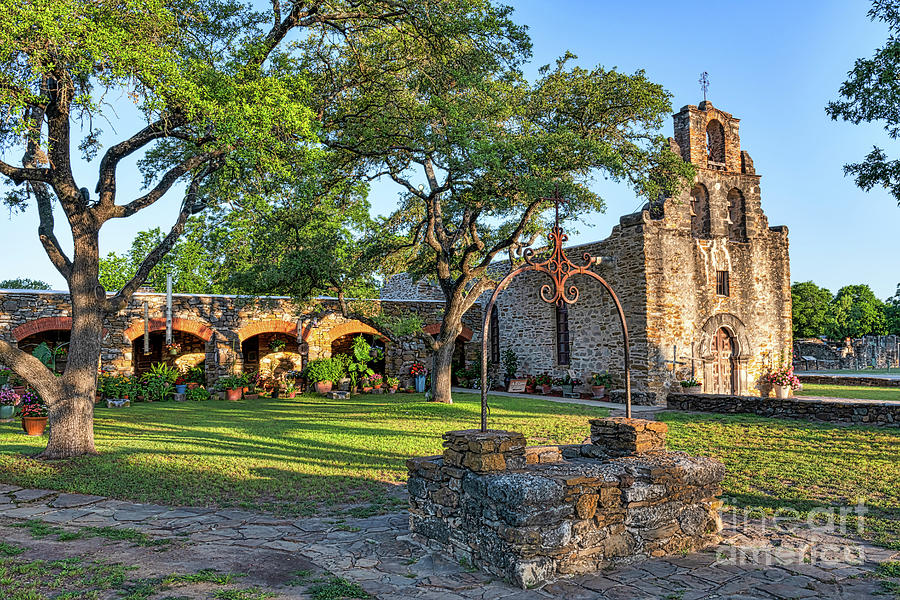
(858, 412)
(212, 328)
(530, 515)
(846, 380)
(871, 351)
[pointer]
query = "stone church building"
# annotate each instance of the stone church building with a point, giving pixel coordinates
(703, 280)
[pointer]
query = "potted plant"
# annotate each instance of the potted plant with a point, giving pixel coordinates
(545, 382)
(180, 384)
(418, 371)
(288, 388)
(195, 377)
(510, 366)
(567, 383)
(530, 384)
(599, 383)
(34, 413)
(691, 385)
(277, 345)
(174, 348)
(196, 394)
(17, 383)
(392, 384)
(8, 401)
(376, 380)
(323, 372)
(782, 380)
(233, 386)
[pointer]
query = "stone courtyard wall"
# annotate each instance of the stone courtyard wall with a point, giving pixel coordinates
(856, 412)
(212, 328)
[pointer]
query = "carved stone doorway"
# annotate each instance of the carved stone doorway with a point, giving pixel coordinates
(723, 367)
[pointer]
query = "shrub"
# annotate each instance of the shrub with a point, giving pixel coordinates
(195, 375)
(161, 371)
(324, 369)
(231, 382)
(197, 394)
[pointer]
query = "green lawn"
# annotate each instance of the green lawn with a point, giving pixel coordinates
(310, 455)
(786, 466)
(850, 391)
(291, 455)
(892, 370)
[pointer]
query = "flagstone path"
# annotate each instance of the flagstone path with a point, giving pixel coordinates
(757, 560)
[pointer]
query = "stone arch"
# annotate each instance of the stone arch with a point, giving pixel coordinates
(351, 327)
(700, 213)
(435, 328)
(737, 216)
(41, 325)
(268, 326)
(202, 331)
(715, 142)
(741, 355)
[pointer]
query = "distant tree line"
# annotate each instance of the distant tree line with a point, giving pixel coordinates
(854, 311)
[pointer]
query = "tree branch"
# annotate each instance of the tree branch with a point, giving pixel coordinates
(118, 302)
(33, 371)
(167, 181)
(21, 174)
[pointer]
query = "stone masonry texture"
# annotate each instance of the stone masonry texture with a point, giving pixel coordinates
(531, 515)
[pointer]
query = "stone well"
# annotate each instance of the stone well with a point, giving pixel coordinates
(532, 514)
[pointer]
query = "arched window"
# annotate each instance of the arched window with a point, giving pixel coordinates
(700, 226)
(737, 216)
(715, 143)
(494, 337)
(563, 348)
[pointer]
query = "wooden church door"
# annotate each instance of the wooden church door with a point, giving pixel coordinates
(723, 363)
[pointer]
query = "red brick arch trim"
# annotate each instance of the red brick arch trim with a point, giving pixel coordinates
(270, 326)
(136, 329)
(354, 326)
(40, 325)
(435, 329)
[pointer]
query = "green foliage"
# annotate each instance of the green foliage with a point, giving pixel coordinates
(892, 313)
(510, 362)
(162, 371)
(197, 394)
(357, 363)
(872, 94)
(857, 312)
(195, 375)
(194, 266)
(324, 369)
(49, 356)
(23, 283)
(231, 382)
(812, 316)
(337, 588)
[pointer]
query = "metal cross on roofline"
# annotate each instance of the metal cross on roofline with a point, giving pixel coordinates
(704, 83)
(560, 269)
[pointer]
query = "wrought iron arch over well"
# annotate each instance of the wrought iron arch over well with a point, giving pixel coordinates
(560, 269)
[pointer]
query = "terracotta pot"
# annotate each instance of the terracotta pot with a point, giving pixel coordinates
(193, 386)
(545, 388)
(366, 390)
(378, 387)
(34, 425)
(782, 391)
(529, 389)
(291, 395)
(598, 391)
(234, 395)
(393, 389)
(323, 387)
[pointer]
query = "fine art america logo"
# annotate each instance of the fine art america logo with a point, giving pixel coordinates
(786, 536)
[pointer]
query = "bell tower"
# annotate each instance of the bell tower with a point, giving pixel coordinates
(710, 138)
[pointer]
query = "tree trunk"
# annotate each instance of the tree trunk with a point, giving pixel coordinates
(441, 375)
(72, 412)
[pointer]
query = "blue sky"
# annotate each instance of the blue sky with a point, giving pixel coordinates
(774, 65)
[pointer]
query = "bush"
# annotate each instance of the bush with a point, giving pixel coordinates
(197, 394)
(324, 369)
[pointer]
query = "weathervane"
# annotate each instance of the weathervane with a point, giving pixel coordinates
(559, 268)
(704, 83)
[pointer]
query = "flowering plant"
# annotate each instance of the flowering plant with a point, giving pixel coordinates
(783, 375)
(180, 380)
(34, 409)
(543, 379)
(567, 380)
(604, 379)
(375, 379)
(418, 369)
(392, 382)
(8, 397)
(174, 347)
(690, 382)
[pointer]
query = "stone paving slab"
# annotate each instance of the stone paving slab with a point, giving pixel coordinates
(758, 559)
